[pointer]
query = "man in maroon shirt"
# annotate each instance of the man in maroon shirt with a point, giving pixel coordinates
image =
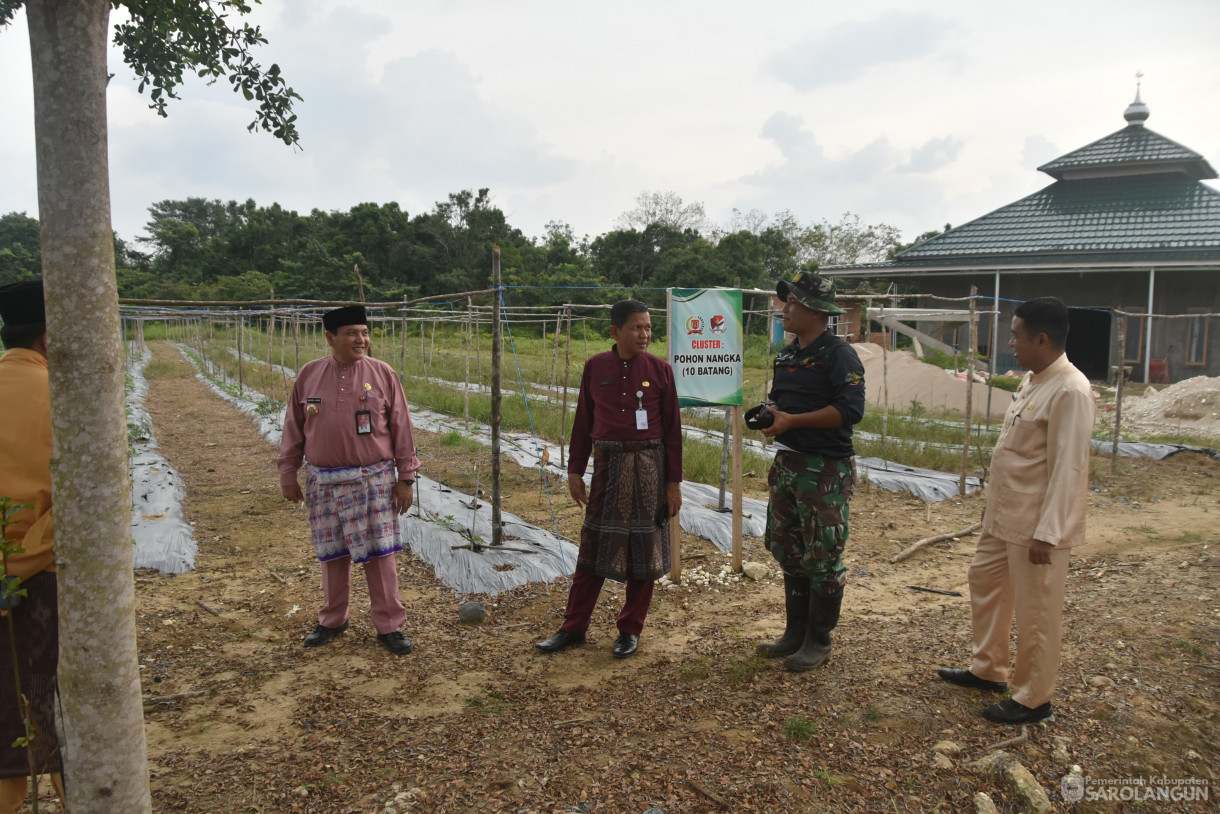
(627, 418)
(349, 417)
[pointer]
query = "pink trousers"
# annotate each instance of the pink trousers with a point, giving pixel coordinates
(386, 608)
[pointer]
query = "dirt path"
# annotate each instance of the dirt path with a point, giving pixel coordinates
(473, 721)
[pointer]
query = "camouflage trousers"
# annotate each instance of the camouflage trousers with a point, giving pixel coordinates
(808, 517)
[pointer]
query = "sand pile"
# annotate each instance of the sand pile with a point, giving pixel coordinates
(909, 380)
(1192, 406)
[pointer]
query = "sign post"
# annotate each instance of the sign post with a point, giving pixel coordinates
(706, 347)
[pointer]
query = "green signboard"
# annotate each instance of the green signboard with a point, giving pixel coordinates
(706, 344)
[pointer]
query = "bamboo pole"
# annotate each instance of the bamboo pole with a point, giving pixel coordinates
(725, 440)
(738, 502)
(555, 354)
(402, 339)
(1118, 391)
(496, 529)
(971, 342)
(567, 372)
(885, 385)
(241, 385)
(469, 341)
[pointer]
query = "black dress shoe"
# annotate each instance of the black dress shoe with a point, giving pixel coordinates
(965, 678)
(560, 641)
(1009, 711)
(322, 634)
(396, 642)
(625, 645)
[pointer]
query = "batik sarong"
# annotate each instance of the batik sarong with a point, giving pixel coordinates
(36, 620)
(351, 511)
(624, 536)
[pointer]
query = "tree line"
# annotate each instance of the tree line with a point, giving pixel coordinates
(200, 249)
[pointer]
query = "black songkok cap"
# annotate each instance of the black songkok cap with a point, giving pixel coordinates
(22, 304)
(351, 315)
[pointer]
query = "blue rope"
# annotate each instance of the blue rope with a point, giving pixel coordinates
(546, 482)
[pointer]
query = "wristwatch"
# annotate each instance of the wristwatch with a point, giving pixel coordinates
(409, 481)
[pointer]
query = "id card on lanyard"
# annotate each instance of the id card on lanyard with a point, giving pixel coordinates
(641, 415)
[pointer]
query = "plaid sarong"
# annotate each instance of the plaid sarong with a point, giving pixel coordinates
(623, 536)
(351, 511)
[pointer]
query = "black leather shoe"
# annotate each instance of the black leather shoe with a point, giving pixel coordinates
(396, 642)
(562, 640)
(965, 678)
(322, 634)
(1009, 711)
(625, 645)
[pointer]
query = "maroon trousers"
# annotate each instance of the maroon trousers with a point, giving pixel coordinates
(582, 598)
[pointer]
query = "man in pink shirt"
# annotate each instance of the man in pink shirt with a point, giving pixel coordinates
(348, 417)
(1035, 513)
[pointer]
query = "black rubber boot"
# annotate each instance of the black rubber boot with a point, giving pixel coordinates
(796, 607)
(823, 617)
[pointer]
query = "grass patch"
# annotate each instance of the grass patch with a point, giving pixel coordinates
(493, 703)
(827, 777)
(747, 667)
(1143, 531)
(1187, 644)
(163, 369)
(453, 438)
(696, 669)
(798, 728)
(1188, 537)
(872, 714)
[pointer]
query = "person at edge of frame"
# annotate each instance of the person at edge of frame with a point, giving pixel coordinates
(1035, 513)
(627, 417)
(349, 418)
(25, 476)
(817, 395)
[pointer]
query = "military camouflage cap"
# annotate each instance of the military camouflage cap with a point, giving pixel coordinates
(815, 292)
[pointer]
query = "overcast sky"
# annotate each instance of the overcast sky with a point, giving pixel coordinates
(909, 113)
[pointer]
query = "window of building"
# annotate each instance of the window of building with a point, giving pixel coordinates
(1196, 337)
(1133, 350)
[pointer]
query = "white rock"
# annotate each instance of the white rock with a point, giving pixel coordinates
(983, 804)
(946, 748)
(755, 570)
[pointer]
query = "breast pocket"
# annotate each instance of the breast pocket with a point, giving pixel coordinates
(1027, 439)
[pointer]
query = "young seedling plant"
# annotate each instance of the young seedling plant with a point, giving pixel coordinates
(10, 596)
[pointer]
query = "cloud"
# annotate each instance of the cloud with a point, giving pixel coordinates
(846, 51)
(934, 154)
(1039, 150)
(413, 130)
(885, 182)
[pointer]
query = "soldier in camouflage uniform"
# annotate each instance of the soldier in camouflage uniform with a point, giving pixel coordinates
(818, 394)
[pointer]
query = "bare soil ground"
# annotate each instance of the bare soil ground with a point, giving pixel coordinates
(474, 720)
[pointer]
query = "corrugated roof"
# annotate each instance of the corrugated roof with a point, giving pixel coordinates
(1112, 215)
(1132, 146)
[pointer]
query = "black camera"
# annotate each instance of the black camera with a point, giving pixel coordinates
(759, 418)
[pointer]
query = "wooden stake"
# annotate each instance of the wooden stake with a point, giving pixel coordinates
(496, 529)
(738, 501)
(567, 372)
(1118, 390)
(971, 342)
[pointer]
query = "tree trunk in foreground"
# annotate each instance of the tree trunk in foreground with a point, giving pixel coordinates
(103, 741)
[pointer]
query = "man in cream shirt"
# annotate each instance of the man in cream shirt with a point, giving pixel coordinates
(1035, 513)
